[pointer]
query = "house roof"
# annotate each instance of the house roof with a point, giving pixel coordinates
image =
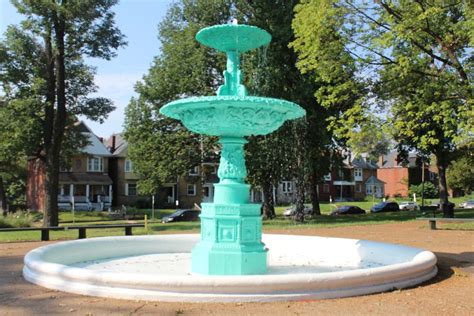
(84, 178)
(390, 160)
(95, 146)
(372, 180)
(362, 163)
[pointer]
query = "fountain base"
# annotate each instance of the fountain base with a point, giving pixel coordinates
(223, 260)
(230, 240)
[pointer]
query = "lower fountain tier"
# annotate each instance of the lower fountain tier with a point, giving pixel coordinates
(230, 242)
(232, 116)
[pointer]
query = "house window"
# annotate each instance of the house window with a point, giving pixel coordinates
(327, 177)
(287, 187)
(207, 191)
(94, 164)
(194, 171)
(191, 190)
(128, 165)
(130, 189)
(65, 169)
(431, 175)
(341, 174)
(358, 174)
(369, 189)
(326, 188)
(78, 164)
(358, 187)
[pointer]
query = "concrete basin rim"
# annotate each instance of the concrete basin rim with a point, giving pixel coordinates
(33, 261)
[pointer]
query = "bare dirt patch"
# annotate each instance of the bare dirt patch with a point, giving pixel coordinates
(451, 292)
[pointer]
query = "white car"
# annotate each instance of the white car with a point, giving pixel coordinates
(408, 206)
(467, 204)
(291, 211)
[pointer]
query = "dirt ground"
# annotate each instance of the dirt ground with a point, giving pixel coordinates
(451, 292)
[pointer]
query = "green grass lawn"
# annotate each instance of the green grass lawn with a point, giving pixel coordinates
(155, 226)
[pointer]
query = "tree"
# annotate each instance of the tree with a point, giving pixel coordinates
(341, 108)
(460, 174)
(273, 73)
(14, 127)
(426, 190)
(418, 56)
(59, 34)
(371, 138)
(161, 148)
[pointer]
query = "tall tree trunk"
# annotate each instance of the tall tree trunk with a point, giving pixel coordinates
(268, 205)
(49, 111)
(3, 198)
(299, 131)
(299, 203)
(443, 189)
(59, 122)
(316, 210)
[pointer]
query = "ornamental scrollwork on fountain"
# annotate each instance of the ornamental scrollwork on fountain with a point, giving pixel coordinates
(232, 164)
(232, 120)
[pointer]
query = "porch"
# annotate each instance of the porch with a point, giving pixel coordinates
(85, 191)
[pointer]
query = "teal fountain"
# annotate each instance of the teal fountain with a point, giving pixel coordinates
(231, 227)
(230, 261)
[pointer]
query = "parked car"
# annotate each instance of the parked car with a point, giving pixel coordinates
(385, 207)
(182, 216)
(347, 209)
(467, 204)
(291, 211)
(408, 206)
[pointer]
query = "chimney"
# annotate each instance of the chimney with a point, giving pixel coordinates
(112, 148)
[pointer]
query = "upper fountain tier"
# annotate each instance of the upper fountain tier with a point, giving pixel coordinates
(232, 112)
(233, 37)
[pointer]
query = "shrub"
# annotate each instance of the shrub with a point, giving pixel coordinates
(142, 203)
(17, 219)
(429, 190)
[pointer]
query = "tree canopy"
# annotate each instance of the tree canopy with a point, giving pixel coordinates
(416, 60)
(161, 148)
(42, 64)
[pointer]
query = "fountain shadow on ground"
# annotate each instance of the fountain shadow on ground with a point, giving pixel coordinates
(453, 263)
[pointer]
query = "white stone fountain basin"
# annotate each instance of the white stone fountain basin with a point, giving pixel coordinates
(157, 268)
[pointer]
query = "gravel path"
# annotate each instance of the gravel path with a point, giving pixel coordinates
(451, 292)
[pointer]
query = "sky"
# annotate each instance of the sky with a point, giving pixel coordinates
(138, 21)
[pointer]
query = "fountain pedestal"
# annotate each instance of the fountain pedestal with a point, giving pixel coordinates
(231, 230)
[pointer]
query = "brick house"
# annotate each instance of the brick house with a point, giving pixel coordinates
(355, 180)
(197, 186)
(398, 177)
(185, 192)
(84, 183)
